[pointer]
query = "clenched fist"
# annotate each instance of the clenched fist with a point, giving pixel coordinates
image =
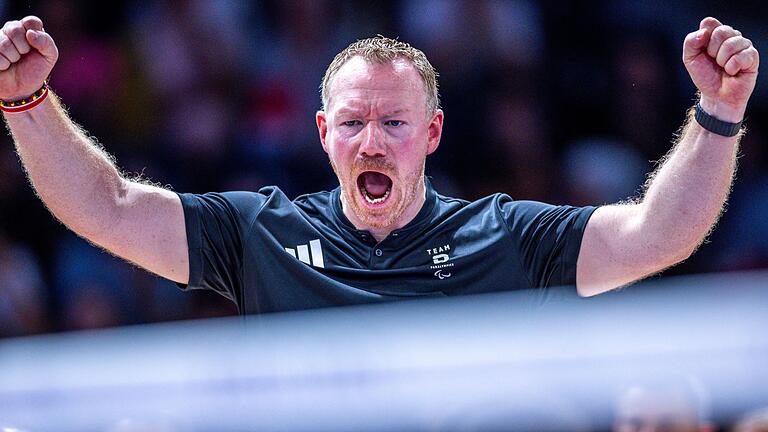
(27, 56)
(723, 65)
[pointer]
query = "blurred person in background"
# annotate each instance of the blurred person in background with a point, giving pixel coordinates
(384, 233)
(755, 421)
(22, 291)
(675, 404)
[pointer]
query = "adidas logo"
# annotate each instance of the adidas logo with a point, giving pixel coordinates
(315, 250)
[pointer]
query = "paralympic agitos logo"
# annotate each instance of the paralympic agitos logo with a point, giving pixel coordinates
(440, 260)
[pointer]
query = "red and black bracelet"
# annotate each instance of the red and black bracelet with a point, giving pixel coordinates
(25, 104)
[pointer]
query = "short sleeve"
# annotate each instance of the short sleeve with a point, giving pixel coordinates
(548, 238)
(215, 225)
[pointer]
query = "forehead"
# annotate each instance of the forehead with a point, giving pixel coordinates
(361, 81)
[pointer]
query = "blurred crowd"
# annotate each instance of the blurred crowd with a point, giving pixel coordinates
(563, 102)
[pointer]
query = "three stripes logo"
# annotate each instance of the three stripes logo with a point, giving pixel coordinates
(303, 253)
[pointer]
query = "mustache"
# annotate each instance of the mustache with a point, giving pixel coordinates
(373, 164)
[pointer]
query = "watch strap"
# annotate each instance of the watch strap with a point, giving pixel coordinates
(716, 125)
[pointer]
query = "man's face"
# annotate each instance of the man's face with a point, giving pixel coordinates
(377, 133)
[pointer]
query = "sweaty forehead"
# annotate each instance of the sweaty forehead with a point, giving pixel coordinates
(360, 79)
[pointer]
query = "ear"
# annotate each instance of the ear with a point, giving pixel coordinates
(435, 131)
(322, 127)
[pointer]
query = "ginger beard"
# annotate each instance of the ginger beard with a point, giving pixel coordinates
(377, 196)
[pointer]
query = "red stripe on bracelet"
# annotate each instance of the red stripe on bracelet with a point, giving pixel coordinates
(26, 104)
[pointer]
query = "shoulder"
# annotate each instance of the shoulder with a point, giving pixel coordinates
(452, 208)
(234, 205)
(487, 204)
(535, 215)
(318, 203)
(524, 214)
(236, 200)
(446, 205)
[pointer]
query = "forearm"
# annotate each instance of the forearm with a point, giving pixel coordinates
(686, 195)
(74, 177)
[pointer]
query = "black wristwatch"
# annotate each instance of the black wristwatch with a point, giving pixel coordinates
(715, 125)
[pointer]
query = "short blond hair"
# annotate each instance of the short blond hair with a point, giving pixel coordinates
(383, 50)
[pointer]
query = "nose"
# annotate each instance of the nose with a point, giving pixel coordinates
(372, 144)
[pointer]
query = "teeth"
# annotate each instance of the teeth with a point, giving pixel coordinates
(375, 200)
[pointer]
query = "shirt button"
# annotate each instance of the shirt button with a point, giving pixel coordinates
(379, 252)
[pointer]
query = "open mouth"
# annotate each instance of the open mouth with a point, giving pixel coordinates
(375, 187)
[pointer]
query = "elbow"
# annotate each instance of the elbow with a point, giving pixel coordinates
(678, 256)
(667, 257)
(685, 253)
(667, 245)
(679, 251)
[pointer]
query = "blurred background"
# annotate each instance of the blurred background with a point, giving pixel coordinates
(557, 101)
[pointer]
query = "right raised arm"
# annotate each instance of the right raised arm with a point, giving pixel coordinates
(76, 179)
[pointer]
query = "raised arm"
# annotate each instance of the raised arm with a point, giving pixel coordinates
(76, 179)
(686, 194)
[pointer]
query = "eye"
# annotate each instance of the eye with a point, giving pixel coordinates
(394, 123)
(352, 123)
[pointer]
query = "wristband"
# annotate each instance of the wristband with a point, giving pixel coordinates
(715, 125)
(25, 104)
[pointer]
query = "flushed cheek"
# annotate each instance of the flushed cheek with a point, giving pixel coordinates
(341, 161)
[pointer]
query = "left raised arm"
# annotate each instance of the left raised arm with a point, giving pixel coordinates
(685, 196)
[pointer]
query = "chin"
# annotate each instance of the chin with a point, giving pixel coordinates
(384, 207)
(378, 217)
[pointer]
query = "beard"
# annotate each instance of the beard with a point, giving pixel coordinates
(403, 194)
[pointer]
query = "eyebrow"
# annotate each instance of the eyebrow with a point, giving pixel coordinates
(396, 112)
(347, 110)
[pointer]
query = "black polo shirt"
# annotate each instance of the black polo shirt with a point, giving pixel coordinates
(267, 253)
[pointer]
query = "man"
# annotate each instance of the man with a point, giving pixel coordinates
(385, 233)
